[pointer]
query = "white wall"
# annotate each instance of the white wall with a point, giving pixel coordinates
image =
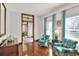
(7, 23)
(15, 25)
(39, 28)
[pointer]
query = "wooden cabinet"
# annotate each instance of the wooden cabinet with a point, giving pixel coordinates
(10, 50)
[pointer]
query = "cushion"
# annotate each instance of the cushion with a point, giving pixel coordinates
(70, 44)
(57, 44)
(64, 41)
(47, 36)
(70, 50)
(58, 48)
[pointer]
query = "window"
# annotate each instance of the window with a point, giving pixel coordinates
(72, 24)
(49, 27)
(72, 28)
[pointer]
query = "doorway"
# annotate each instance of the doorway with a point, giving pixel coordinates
(28, 34)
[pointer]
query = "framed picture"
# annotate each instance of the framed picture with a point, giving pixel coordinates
(2, 19)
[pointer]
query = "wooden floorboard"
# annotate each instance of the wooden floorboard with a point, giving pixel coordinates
(40, 51)
(35, 50)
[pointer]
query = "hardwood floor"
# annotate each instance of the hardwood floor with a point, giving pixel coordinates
(28, 49)
(40, 51)
(36, 50)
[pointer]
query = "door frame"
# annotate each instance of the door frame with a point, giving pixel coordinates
(22, 29)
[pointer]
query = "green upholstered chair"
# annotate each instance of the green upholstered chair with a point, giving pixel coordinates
(44, 41)
(71, 45)
(66, 48)
(58, 48)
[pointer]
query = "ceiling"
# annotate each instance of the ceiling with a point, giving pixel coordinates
(38, 9)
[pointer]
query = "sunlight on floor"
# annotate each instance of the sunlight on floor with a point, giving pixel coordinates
(50, 52)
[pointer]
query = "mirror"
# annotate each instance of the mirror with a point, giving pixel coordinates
(2, 20)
